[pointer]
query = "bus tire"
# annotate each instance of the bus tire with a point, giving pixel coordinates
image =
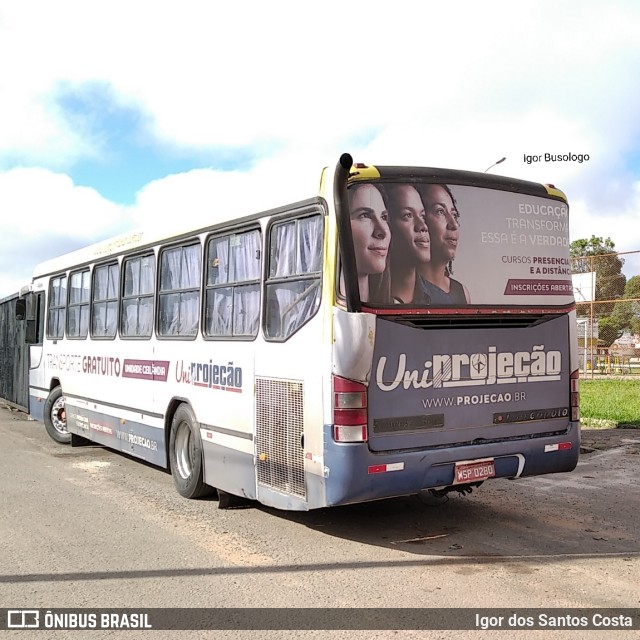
(185, 455)
(55, 417)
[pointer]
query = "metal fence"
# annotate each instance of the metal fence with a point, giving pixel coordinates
(608, 309)
(14, 356)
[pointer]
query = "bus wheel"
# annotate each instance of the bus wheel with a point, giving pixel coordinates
(55, 417)
(185, 453)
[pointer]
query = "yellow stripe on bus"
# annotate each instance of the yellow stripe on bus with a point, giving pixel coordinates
(363, 172)
(553, 191)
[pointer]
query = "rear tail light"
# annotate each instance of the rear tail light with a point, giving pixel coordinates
(349, 410)
(575, 395)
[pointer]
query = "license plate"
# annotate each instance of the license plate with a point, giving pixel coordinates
(474, 471)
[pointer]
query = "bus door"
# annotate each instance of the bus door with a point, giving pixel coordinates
(34, 330)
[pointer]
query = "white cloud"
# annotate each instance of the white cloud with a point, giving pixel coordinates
(240, 73)
(202, 197)
(45, 215)
(47, 203)
(621, 224)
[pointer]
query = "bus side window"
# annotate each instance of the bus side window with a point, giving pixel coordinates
(180, 269)
(138, 289)
(57, 307)
(104, 313)
(295, 275)
(78, 309)
(232, 298)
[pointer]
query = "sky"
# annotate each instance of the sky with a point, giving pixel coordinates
(116, 115)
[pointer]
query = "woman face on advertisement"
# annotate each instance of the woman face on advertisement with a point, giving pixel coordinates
(369, 228)
(442, 218)
(411, 243)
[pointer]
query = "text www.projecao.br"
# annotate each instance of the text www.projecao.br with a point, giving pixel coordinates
(483, 398)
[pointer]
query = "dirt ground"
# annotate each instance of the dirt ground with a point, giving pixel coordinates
(602, 439)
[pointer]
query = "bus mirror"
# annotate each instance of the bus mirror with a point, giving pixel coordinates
(21, 309)
(27, 309)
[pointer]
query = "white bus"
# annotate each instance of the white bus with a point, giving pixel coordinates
(324, 353)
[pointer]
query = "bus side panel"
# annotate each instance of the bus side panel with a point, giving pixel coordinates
(131, 437)
(216, 377)
(229, 468)
(36, 404)
(38, 391)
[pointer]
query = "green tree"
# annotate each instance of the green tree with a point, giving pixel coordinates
(609, 330)
(598, 255)
(626, 313)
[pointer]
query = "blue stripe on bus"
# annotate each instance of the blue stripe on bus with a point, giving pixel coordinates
(134, 438)
(36, 408)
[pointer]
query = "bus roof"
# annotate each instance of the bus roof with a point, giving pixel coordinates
(454, 176)
(141, 238)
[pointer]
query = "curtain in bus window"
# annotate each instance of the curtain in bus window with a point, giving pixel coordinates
(111, 321)
(169, 305)
(100, 289)
(180, 271)
(218, 261)
(219, 317)
(84, 308)
(99, 319)
(145, 316)
(295, 302)
(296, 250)
(283, 250)
(112, 305)
(233, 310)
(246, 310)
(189, 306)
(105, 297)
(310, 251)
(147, 276)
(56, 322)
(190, 279)
(137, 317)
(170, 269)
(130, 304)
(129, 317)
(138, 296)
(146, 289)
(190, 271)
(245, 256)
(78, 319)
(131, 277)
(282, 263)
(246, 266)
(57, 307)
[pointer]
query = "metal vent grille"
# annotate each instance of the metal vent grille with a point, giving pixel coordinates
(279, 424)
(465, 321)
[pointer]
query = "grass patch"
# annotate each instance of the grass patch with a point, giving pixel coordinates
(610, 403)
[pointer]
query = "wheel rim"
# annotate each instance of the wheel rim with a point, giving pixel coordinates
(185, 450)
(59, 416)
